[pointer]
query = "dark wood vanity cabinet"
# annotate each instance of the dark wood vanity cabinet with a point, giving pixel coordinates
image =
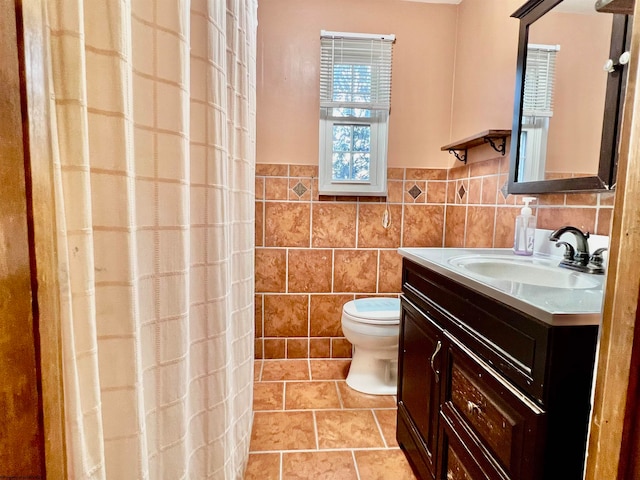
(486, 391)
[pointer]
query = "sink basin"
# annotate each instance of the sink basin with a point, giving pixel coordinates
(524, 270)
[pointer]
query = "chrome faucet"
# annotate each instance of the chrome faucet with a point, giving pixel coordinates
(578, 258)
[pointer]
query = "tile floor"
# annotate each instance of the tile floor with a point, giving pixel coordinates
(308, 424)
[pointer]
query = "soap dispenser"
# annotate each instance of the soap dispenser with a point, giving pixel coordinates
(525, 229)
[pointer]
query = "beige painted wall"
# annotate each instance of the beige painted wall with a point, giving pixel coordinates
(485, 69)
(575, 129)
(288, 75)
(454, 72)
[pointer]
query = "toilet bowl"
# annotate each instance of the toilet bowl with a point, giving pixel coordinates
(372, 327)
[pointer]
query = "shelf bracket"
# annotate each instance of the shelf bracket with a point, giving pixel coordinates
(460, 148)
(461, 157)
(501, 149)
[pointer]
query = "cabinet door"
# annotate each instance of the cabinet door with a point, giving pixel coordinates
(420, 380)
(501, 428)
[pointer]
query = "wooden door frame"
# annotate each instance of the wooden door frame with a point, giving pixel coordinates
(21, 432)
(614, 439)
(36, 128)
(614, 442)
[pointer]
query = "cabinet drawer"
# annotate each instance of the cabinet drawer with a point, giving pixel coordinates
(500, 420)
(456, 469)
(464, 461)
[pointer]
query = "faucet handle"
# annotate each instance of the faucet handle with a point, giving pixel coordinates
(569, 251)
(596, 257)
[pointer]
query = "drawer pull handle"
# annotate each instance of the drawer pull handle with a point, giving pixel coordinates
(473, 408)
(433, 359)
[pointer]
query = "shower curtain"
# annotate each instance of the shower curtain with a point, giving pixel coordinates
(153, 116)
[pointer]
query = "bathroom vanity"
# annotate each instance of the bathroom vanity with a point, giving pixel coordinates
(495, 375)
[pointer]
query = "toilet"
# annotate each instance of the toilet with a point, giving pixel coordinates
(372, 326)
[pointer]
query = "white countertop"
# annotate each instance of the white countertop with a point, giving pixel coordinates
(555, 306)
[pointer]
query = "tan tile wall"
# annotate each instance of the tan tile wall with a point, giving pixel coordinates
(479, 215)
(315, 253)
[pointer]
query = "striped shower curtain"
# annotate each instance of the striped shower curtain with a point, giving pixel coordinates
(153, 116)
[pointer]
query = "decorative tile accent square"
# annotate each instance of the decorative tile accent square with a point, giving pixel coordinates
(300, 189)
(415, 191)
(461, 191)
(503, 190)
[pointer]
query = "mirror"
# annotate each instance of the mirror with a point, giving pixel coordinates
(567, 107)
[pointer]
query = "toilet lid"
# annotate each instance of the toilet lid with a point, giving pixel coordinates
(374, 310)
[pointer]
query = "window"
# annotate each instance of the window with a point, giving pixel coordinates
(537, 110)
(355, 94)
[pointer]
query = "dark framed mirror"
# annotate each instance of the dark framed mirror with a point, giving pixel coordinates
(567, 108)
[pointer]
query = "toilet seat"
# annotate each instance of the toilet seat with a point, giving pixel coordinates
(374, 311)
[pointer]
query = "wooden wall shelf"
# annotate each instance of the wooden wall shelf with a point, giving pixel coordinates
(492, 137)
(615, 6)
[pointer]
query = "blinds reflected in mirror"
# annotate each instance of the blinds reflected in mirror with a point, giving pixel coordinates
(539, 80)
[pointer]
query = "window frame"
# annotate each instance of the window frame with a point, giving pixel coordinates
(377, 183)
(540, 71)
(378, 121)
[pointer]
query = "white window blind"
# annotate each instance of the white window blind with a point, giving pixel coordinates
(539, 80)
(355, 70)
